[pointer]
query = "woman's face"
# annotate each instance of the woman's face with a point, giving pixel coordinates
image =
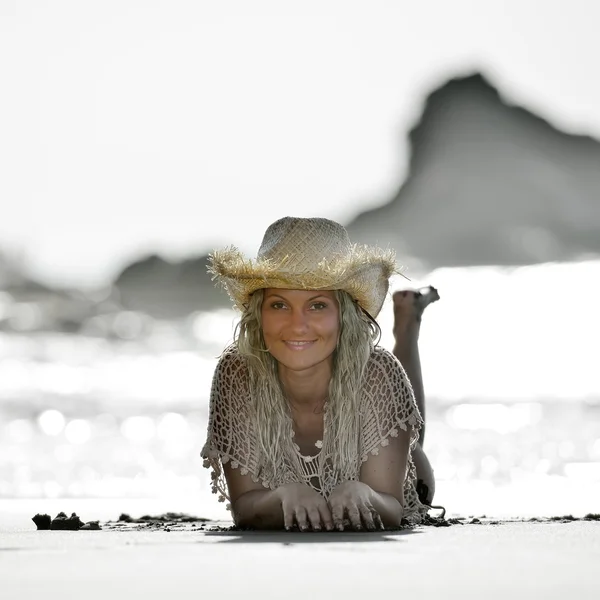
(300, 327)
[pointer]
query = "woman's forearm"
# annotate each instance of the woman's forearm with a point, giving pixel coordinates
(258, 509)
(389, 509)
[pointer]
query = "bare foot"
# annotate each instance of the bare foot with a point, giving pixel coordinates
(410, 304)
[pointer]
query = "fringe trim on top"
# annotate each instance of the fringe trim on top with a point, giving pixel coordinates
(364, 273)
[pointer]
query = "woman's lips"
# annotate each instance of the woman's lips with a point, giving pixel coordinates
(297, 345)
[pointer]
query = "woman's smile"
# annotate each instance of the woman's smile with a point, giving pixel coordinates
(299, 345)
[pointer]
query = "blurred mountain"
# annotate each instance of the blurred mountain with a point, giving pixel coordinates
(489, 184)
(27, 305)
(167, 290)
(13, 277)
(146, 292)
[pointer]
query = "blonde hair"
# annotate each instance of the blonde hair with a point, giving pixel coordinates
(358, 336)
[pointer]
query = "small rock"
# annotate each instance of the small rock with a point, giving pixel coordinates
(42, 521)
(62, 522)
(91, 525)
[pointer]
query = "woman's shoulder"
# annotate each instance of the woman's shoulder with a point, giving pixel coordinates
(384, 375)
(381, 358)
(231, 358)
(232, 365)
(388, 396)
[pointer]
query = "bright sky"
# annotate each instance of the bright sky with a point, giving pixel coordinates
(132, 126)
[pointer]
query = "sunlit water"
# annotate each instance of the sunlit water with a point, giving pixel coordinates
(509, 361)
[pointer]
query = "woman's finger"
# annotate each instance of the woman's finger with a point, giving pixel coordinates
(288, 517)
(354, 516)
(326, 517)
(314, 518)
(337, 514)
(366, 513)
(301, 518)
(377, 519)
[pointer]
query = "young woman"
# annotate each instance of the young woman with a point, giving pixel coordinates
(312, 425)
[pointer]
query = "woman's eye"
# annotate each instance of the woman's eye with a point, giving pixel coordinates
(319, 306)
(277, 305)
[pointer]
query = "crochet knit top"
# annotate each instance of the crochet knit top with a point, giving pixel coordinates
(386, 405)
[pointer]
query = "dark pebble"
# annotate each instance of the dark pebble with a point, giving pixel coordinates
(62, 522)
(125, 517)
(42, 521)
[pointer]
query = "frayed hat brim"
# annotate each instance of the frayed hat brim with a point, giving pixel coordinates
(364, 273)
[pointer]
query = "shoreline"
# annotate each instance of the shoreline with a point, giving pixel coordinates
(528, 498)
(151, 515)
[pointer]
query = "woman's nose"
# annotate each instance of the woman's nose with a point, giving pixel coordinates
(299, 321)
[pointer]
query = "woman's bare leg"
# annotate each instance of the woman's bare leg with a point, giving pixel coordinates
(408, 311)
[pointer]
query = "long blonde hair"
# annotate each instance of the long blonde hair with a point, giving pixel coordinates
(274, 426)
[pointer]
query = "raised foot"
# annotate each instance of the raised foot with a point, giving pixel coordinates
(410, 304)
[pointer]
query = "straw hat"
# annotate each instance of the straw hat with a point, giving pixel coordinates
(307, 253)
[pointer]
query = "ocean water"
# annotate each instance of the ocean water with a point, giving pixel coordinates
(509, 362)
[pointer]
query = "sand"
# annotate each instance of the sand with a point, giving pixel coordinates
(513, 559)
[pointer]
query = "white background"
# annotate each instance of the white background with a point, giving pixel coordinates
(137, 126)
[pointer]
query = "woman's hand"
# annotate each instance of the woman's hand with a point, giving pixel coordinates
(305, 506)
(354, 499)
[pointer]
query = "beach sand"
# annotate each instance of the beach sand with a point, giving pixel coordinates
(491, 559)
